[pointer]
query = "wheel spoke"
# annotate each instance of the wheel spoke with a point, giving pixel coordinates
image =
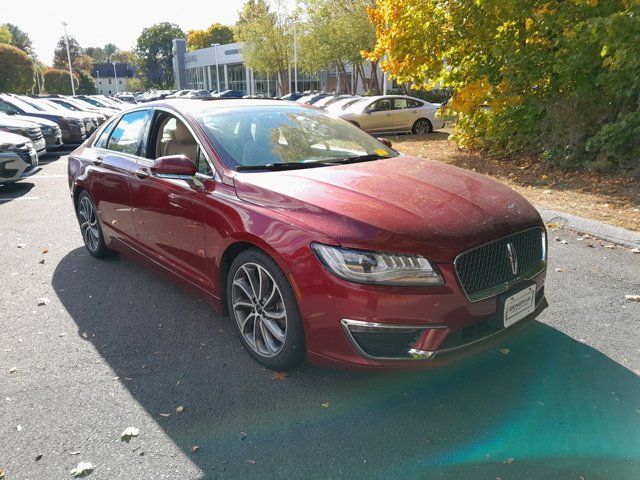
(242, 304)
(251, 283)
(269, 341)
(241, 284)
(274, 329)
(275, 315)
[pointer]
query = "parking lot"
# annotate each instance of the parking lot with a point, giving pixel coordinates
(115, 345)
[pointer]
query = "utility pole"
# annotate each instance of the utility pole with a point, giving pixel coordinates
(215, 46)
(98, 73)
(66, 40)
(115, 75)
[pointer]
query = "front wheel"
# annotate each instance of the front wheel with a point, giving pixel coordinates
(422, 126)
(264, 309)
(90, 227)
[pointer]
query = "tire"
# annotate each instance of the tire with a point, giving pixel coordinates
(90, 227)
(264, 310)
(422, 126)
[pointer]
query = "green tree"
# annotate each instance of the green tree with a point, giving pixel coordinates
(60, 59)
(5, 35)
(16, 69)
(20, 39)
(56, 80)
(155, 52)
(334, 35)
(216, 33)
(267, 43)
(86, 85)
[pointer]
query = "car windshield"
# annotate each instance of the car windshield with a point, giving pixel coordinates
(276, 135)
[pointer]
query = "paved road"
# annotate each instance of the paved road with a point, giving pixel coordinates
(119, 346)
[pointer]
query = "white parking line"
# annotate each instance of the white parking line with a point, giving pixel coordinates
(10, 199)
(48, 176)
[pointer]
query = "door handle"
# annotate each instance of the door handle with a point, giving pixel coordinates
(98, 161)
(141, 173)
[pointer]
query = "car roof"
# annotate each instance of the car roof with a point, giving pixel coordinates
(197, 106)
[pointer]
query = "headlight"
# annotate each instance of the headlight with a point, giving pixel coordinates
(378, 268)
(16, 130)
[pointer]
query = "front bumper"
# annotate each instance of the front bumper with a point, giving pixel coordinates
(74, 134)
(426, 323)
(16, 166)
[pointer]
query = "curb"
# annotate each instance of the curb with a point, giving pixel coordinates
(618, 235)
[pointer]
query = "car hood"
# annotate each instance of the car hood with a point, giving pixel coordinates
(43, 122)
(402, 204)
(13, 122)
(12, 138)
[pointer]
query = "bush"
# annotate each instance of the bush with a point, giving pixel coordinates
(57, 81)
(16, 70)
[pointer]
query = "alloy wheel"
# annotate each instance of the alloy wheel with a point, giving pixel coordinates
(259, 309)
(422, 127)
(89, 224)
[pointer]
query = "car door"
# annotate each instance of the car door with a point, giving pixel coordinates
(169, 213)
(113, 163)
(379, 116)
(404, 116)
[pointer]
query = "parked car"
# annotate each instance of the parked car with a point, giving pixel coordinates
(71, 127)
(339, 105)
(197, 94)
(292, 97)
(181, 93)
(320, 241)
(24, 128)
(76, 104)
(329, 99)
(91, 119)
(50, 130)
(229, 94)
(18, 158)
(384, 114)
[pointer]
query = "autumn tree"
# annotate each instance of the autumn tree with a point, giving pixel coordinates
(5, 35)
(216, 33)
(19, 38)
(16, 69)
(556, 79)
(155, 52)
(56, 80)
(60, 59)
(266, 36)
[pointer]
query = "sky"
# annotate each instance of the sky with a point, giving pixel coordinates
(96, 23)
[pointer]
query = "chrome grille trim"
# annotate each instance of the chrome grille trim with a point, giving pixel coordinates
(532, 267)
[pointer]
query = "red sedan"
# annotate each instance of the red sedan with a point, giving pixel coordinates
(318, 240)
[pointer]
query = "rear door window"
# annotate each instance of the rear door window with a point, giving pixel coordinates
(127, 135)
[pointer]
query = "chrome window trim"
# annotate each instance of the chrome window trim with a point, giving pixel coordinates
(502, 287)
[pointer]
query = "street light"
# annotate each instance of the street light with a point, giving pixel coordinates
(66, 40)
(295, 57)
(215, 46)
(115, 75)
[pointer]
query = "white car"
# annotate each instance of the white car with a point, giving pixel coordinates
(18, 158)
(393, 114)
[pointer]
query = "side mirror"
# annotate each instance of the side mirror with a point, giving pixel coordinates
(386, 141)
(174, 166)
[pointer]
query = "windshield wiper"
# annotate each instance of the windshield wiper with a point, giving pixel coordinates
(360, 158)
(284, 166)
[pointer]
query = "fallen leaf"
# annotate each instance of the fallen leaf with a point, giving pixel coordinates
(564, 242)
(45, 250)
(21, 245)
(19, 428)
(129, 433)
(279, 375)
(1, 473)
(41, 261)
(632, 298)
(165, 415)
(180, 409)
(13, 370)
(509, 460)
(559, 270)
(43, 301)
(252, 462)
(553, 225)
(544, 177)
(325, 405)
(195, 448)
(505, 351)
(38, 457)
(76, 452)
(83, 469)
(635, 250)
(243, 435)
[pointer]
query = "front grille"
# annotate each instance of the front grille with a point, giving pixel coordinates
(24, 152)
(35, 134)
(487, 270)
(384, 341)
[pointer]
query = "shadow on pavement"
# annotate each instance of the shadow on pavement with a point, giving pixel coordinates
(552, 408)
(10, 191)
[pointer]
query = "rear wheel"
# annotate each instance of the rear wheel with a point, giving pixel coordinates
(90, 227)
(264, 309)
(422, 126)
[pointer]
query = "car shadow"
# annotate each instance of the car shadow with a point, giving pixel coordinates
(537, 405)
(12, 191)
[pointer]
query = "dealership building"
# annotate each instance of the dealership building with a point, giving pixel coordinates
(222, 67)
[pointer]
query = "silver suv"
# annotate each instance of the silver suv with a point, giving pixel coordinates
(18, 158)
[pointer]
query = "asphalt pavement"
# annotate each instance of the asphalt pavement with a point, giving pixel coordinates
(115, 345)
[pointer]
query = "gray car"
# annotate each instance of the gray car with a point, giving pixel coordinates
(394, 113)
(18, 158)
(24, 128)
